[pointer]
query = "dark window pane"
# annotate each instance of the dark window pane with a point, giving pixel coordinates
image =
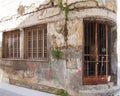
(45, 55)
(34, 55)
(29, 44)
(29, 33)
(40, 55)
(34, 44)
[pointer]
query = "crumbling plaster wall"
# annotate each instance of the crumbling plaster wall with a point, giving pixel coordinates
(109, 4)
(72, 56)
(61, 73)
(66, 72)
(48, 11)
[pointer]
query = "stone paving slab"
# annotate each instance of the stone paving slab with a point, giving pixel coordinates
(8, 93)
(11, 90)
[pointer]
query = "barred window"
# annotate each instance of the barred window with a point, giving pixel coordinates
(36, 42)
(11, 46)
(97, 44)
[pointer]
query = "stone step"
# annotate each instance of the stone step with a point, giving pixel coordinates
(97, 87)
(102, 92)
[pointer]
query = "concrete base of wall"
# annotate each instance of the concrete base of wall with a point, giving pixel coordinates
(87, 90)
(34, 86)
(103, 92)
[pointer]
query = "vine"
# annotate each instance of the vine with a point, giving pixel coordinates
(66, 10)
(60, 4)
(57, 53)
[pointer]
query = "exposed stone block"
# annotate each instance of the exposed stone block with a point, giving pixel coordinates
(75, 33)
(39, 87)
(49, 12)
(85, 4)
(71, 63)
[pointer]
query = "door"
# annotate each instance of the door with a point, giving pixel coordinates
(96, 54)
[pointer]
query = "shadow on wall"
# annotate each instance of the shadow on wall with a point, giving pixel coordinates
(119, 74)
(0, 53)
(118, 51)
(1, 72)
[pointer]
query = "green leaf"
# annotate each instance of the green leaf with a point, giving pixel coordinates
(66, 12)
(56, 54)
(61, 92)
(60, 4)
(67, 9)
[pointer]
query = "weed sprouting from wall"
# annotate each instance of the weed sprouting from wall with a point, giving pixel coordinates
(56, 54)
(61, 92)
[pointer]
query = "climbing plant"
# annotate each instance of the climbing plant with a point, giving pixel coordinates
(66, 11)
(60, 4)
(57, 53)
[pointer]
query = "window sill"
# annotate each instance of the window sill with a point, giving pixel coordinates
(33, 60)
(41, 60)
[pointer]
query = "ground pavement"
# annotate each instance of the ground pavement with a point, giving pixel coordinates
(10, 90)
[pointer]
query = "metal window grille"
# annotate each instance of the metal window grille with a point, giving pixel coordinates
(11, 46)
(36, 42)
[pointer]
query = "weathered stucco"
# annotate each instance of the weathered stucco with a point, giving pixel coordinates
(75, 31)
(46, 12)
(66, 73)
(114, 63)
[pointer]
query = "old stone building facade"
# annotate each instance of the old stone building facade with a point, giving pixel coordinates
(43, 47)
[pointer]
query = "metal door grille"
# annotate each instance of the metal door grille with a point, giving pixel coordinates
(89, 56)
(102, 48)
(95, 49)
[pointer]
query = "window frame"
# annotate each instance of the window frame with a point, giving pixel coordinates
(41, 30)
(96, 78)
(10, 39)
